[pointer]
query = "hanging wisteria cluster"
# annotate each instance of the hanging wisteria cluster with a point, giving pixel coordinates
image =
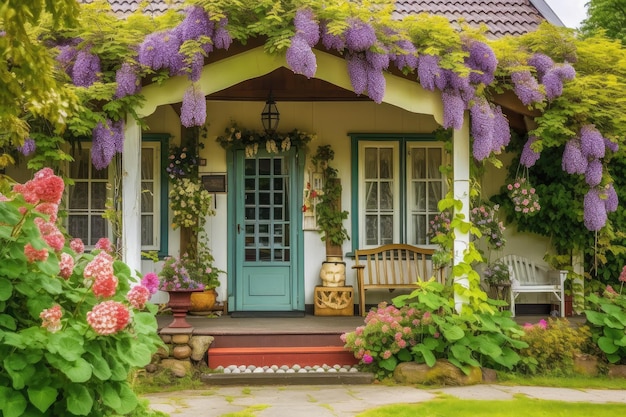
(583, 155)
(163, 50)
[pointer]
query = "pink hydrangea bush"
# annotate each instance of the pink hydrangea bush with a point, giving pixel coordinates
(70, 317)
(423, 327)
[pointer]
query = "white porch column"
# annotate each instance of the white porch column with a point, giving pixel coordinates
(461, 163)
(131, 196)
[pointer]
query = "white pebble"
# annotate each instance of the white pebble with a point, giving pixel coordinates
(296, 367)
(227, 371)
(232, 367)
(331, 370)
(258, 370)
(281, 371)
(251, 367)
(290, 371)
(320, 370)
(302, 371)
(236, 371)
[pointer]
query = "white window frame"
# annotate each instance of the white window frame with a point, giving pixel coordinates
(402, 146)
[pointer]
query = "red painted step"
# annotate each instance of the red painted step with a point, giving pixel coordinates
(278, 355)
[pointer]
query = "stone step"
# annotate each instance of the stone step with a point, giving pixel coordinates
(311, 378)
(279, 355)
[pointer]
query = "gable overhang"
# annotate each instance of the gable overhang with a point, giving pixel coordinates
(232, 70)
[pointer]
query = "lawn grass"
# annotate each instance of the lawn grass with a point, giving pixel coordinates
(518, 407)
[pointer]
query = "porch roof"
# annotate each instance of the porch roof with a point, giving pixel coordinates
(502, 17)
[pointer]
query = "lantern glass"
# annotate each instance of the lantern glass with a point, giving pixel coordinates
(270, 115)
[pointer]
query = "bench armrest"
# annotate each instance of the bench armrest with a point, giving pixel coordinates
(557, 277)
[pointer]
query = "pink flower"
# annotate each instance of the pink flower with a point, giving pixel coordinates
(622, 276)
(386, 354)
(151, 282)
(66, 264)
(51, 318)
(108, 317)
(101, 265)
(45, 187)
(543, 324)
(33, 255)
(138, 296)
(77, 245)
(104, 244)
(105, 286)
(367, 359)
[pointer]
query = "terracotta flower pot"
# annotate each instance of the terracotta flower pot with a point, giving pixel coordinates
(180, 301)
(203, 301)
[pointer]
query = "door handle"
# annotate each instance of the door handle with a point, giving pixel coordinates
(238, 228)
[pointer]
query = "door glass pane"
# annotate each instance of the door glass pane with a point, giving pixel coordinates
(249, 168)
(265, 166)
(435, 160)
(264, 198)
(418, 163)
(419, 190)
(371, 230)
(434, 195)
(147, 163)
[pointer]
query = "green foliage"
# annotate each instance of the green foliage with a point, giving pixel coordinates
(606, 315)
(330, 217)
(64, 366)
(424, 327)
(608, 16)
(552, 347)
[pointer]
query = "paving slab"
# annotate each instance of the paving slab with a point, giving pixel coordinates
(346, 400)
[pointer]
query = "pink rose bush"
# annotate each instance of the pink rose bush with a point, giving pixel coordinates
(72, 315)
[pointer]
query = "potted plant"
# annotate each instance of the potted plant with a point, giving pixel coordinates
(175, 279)
(498, 276)
(202, 269)
(330, 219)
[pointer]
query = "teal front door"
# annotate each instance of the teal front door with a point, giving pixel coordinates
(265, 258)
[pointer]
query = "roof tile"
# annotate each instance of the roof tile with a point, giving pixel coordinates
(502, 17)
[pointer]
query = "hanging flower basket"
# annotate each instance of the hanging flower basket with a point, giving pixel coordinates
(523, 196)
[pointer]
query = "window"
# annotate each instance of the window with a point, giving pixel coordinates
(88, 196)
(398, 186)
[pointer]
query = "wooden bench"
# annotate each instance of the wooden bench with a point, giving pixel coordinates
(527, 277)
(391, 267)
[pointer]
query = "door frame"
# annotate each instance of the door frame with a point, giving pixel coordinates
(297, 255)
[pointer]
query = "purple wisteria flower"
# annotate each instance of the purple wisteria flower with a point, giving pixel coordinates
(501, 130)
(526, 87)
(127, 81)
(458, 83)
(360, 36)
(357, 69)
(86, 69)
(378, 60)
(66, 56)
(300, 57)
(610, 145)
(593, 174)
(193, 111)
(197, 63)
(107, 139)
(331, 41)
(594, 210)
(542, 63)
(565, 71)
(553, 84)
(428, 71)
(195, 25)
(529, 157)
(591, 142)
(28, 147)
(482, 120)
(307, 27)
(611, 201)
(408, 57)
(375, 85)
(222, 38)
(161, 50)
(573, 160)
(483, 61)
(453, 109)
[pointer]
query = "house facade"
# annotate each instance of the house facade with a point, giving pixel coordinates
(386, 155)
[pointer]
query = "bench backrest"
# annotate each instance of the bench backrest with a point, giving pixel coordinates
(524, 270)
(397, 264)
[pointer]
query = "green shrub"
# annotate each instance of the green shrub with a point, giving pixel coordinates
(606, 315)
(552, 347)
(71, 328)
(423, 327)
